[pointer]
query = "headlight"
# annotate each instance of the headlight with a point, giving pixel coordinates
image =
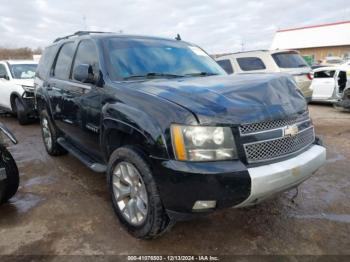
(203, 143)
(28, 88)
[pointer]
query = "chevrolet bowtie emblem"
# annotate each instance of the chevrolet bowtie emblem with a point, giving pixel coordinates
(290, 130)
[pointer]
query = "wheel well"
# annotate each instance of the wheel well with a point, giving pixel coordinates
(115, 139)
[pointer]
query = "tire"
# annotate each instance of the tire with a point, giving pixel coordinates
(22, 116)
(155, 221)
(50, 135)
(9, 186)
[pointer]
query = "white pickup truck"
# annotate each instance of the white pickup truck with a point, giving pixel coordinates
(17, 88)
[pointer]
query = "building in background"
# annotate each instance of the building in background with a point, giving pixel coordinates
(316, 42)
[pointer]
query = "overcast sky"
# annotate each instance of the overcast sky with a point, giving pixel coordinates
(217, 26)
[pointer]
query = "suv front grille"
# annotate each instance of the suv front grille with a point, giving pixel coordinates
(276, 148)
(268, 125)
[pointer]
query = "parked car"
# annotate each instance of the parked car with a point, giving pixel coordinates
(329, 83)
(17, 88)
(9, 177)
(175, 134)
(270, 61)
(332, 61)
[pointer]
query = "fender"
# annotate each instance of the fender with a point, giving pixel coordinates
(129, 120)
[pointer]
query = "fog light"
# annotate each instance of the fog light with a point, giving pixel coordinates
(204, 205)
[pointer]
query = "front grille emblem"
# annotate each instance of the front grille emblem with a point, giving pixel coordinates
(292, 130)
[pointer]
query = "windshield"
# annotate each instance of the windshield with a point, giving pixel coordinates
(23, 71)
(150, 58)
(289, 60)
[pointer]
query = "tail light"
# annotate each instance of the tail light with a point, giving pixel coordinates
(310, 76)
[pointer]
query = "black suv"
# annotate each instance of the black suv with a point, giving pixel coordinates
(176, 136)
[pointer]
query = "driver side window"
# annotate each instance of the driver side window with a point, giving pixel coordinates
(87, 54)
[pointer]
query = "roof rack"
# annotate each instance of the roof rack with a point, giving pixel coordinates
(79, 33)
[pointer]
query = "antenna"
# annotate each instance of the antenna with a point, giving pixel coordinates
(178, 37)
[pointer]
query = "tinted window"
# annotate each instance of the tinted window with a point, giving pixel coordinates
(165, 58)
(251, 63)
(87, 54)
(3, 71)
(324, 74)
(45, 62)
(289, 60)
(64, 61)
(226, 65)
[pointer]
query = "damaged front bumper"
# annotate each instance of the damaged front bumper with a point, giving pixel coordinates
(270, 179)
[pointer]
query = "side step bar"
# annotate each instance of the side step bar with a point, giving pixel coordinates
(84, 158)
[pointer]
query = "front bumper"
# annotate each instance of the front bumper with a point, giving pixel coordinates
(271, 179)
(230, 183)
(29, 103)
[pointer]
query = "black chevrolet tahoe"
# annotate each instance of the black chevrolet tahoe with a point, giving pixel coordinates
(176, 136)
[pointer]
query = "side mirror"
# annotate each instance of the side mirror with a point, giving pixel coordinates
(84, 73)
(4, 76)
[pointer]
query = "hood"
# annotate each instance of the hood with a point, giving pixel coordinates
(24, 82)
(236, 99)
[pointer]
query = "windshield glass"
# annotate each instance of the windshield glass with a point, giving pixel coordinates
(289, 60)
(149, 58)
(23, 71)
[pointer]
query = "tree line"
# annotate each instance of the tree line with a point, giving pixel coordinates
(19, 53)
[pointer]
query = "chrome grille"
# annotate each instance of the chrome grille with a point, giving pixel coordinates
(262, 126)
(279, 147)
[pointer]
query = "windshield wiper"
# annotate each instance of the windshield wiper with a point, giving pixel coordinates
(152, 75)
(202, 74)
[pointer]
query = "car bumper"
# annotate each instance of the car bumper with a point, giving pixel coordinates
(271, 179)
(28, 102)
(229, 183)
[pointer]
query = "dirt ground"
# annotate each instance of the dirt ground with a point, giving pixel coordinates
(64, 208)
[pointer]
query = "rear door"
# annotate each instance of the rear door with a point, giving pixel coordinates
(58, 82)
(81, 110)
(323, 84)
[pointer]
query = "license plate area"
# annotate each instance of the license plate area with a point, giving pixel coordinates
(3, 175)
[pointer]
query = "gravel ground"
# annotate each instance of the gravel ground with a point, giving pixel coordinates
(64, 208)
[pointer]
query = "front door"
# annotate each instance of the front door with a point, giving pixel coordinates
(323, 84)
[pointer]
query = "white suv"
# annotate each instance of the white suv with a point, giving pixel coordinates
(270, 61)
(17, 88)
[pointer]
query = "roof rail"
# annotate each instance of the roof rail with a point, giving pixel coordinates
(79, 33)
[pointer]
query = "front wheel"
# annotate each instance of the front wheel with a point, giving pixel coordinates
(9, 176)
(134, 194)
(22, 116)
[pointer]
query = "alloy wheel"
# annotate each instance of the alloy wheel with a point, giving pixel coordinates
(47, 133)
(130, 193)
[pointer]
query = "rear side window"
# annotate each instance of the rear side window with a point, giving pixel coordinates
(87, 54)
(289, 60)
(64, 61)
(45, 62)
(324, 74)
(251, 63)
(226, 65)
